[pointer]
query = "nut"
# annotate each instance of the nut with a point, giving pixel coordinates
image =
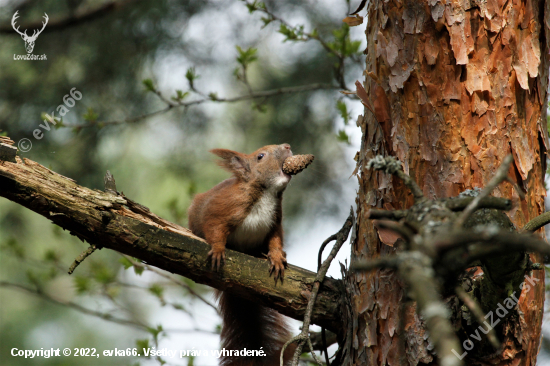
(295, 164)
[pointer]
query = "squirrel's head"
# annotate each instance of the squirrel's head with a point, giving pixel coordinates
(263, 166)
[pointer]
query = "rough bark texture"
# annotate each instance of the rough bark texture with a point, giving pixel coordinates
(115, 222)
(456, 86)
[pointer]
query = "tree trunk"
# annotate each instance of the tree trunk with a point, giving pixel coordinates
(456, 87)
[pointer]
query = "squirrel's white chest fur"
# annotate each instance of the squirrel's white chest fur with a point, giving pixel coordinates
(257, 225)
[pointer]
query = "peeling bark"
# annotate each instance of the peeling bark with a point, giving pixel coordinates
(458, 86)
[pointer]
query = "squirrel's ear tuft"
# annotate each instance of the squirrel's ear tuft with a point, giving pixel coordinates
(234, 162)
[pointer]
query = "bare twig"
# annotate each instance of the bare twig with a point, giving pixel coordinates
(320, 255)
(475, 309)
(303, 337)
(319, 263)
(500, 176)
(204, 99)
(92, 248)
(416, 271)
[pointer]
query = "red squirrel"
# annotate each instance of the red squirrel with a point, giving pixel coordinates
(244, 213)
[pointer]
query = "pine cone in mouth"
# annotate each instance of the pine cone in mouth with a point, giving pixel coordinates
(296, 163)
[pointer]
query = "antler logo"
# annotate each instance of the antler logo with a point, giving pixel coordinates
(29, 41)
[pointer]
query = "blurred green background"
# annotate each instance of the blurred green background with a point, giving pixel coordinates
(121, 60)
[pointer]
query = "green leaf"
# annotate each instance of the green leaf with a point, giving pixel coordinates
(342, 42)
(180, 96)
(343, 136)
(155, 331)
(251, 7)
(142, 344)
(260, 107)
(247, 56)
(82, 284)
(256, 5)
(59, 123)
(191, 76)
(266, 21)
(178, 306)
(343, 109)
(192, 189)
(13, 246)
(289, 33)
(156, 290)
(125, 262)
(34, 278)
(149, 86)
(51, 256)
(47, 117)
(102, 273)
(138, 270)
(90, 115)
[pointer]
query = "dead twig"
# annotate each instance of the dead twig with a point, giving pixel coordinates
(303, 338)
(92, 248)
(205, 99)
(475, 309)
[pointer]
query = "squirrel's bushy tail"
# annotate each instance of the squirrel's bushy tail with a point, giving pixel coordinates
(252, 326)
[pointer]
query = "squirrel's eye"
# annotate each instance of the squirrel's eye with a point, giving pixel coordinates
(260, 156)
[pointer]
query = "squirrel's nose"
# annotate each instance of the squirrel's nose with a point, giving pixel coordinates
(286, 146)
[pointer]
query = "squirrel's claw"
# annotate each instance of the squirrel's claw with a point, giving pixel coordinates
(278, 265)
(218, 257)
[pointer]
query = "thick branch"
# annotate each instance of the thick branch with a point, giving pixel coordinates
(460, 203)
(537, 222)
(116, 223)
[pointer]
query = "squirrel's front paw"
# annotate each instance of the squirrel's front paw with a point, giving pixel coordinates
(218, 256)
(278, 264)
